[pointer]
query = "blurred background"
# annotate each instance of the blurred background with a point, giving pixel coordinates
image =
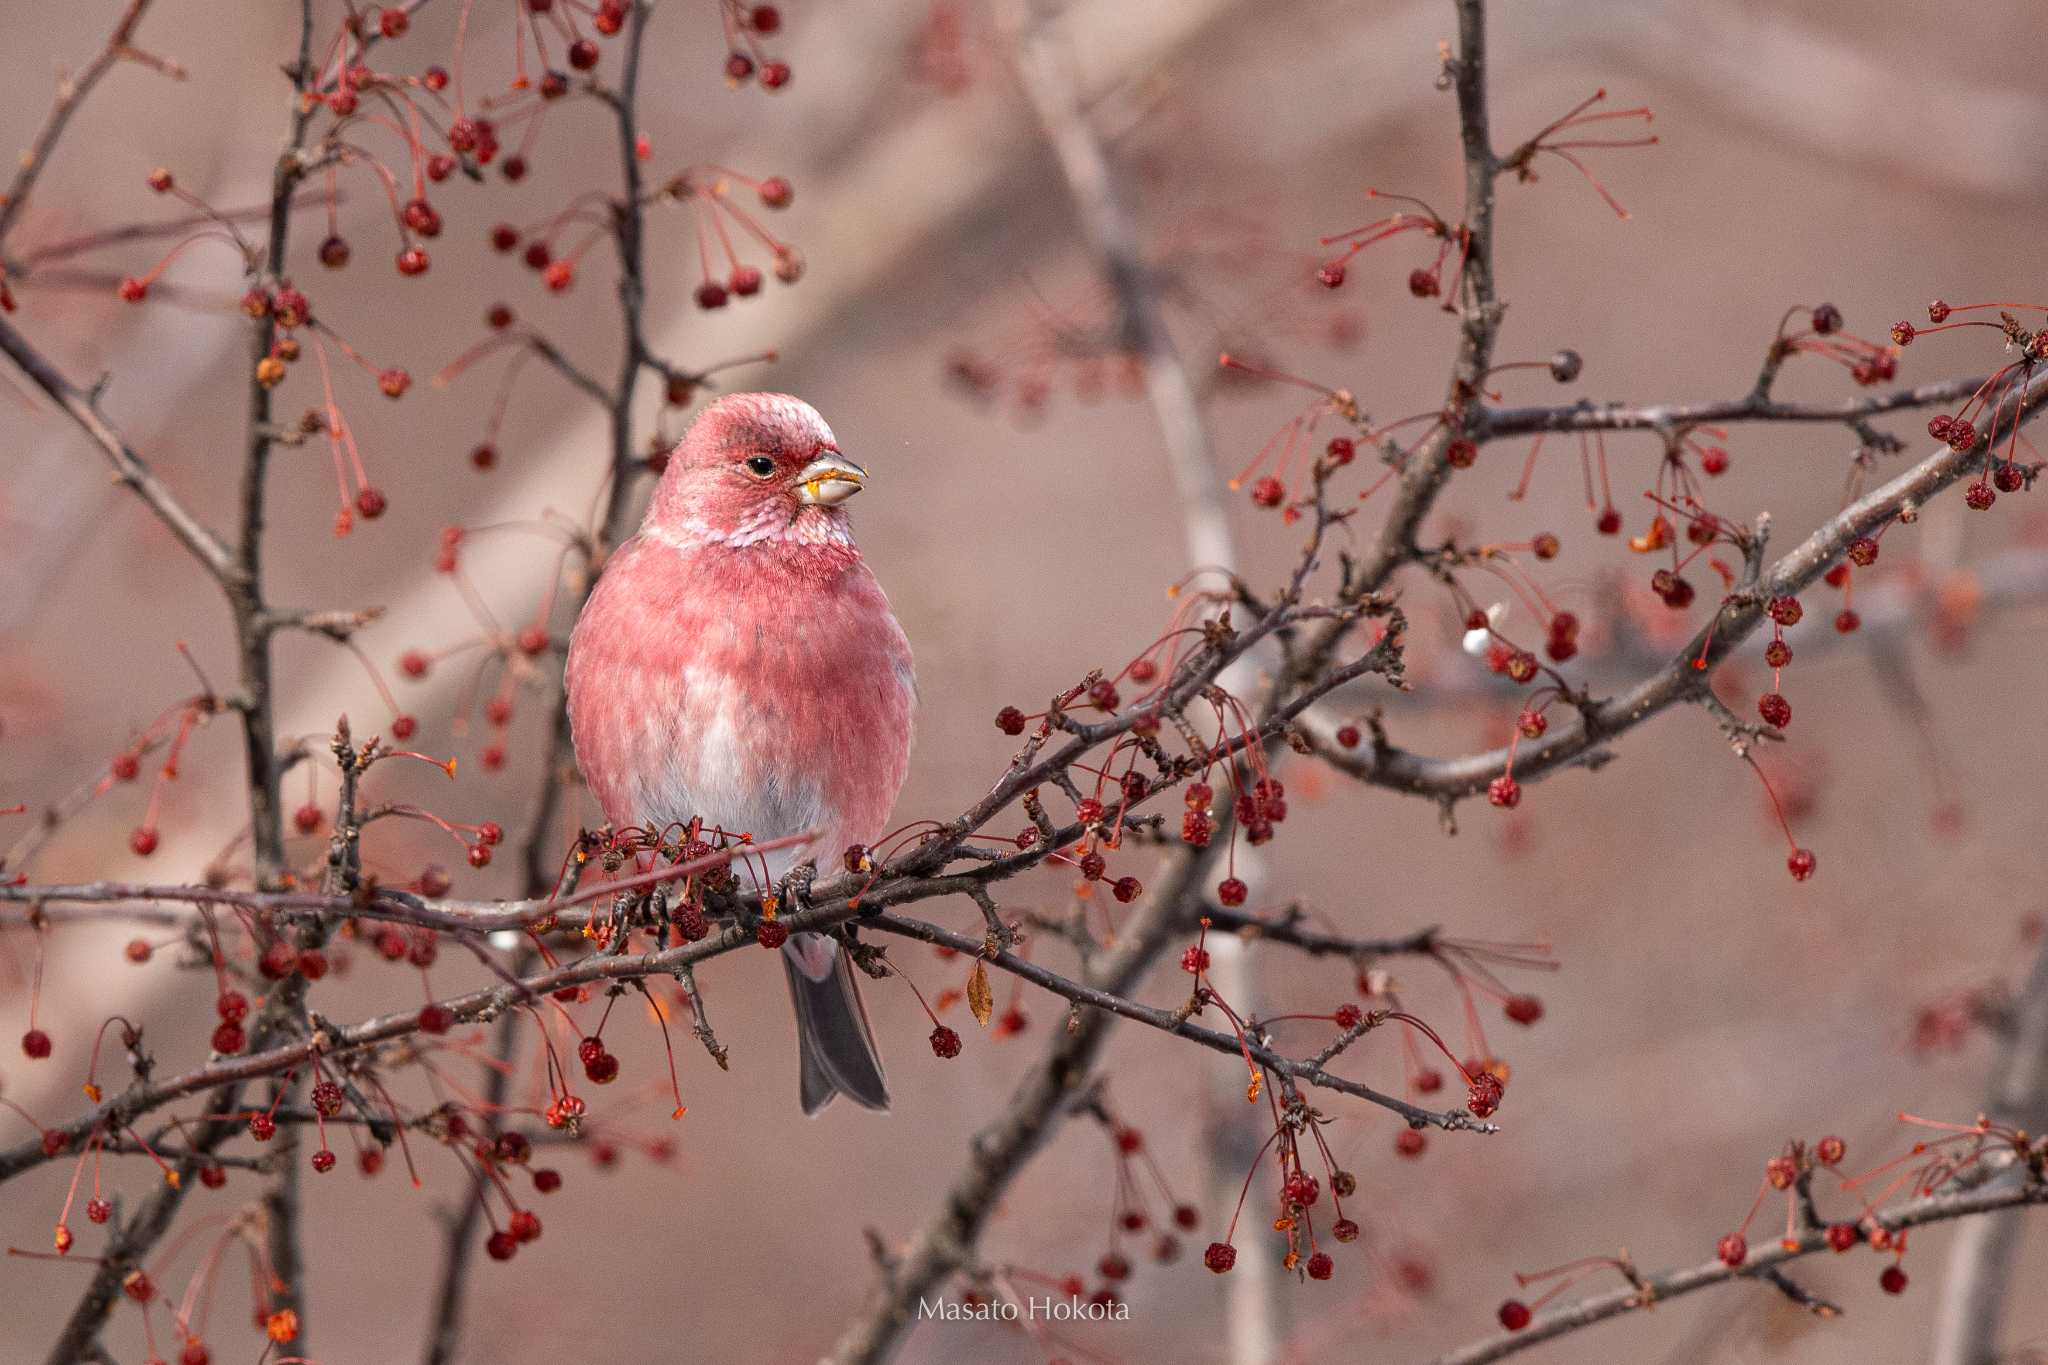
(1025, 527)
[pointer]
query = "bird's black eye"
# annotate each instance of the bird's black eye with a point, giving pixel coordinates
(760, 466)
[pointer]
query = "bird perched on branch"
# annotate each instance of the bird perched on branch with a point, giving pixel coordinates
(737, 662)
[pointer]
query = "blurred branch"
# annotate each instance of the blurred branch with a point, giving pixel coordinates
(81, 406)
(71, 93)
(1981, 1259)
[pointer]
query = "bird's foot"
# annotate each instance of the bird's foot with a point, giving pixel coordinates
(793, 892)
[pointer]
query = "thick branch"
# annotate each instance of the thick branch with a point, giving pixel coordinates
(1682, 679)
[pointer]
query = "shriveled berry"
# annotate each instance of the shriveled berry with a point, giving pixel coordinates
(945, 1042)
(1978, 497)
(1220, 1256)
(771, 933)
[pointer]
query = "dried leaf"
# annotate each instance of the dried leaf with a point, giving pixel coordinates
(980, 998)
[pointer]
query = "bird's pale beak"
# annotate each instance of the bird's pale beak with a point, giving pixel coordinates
(829, 479)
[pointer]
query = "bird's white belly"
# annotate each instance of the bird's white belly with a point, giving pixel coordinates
(713, 771)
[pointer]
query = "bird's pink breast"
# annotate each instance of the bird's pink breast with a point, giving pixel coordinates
(765, 687)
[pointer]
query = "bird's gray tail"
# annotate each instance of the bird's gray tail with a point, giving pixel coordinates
(834, 1044)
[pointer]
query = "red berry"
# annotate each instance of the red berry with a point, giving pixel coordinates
(583, 54)
(1776, 711)
(501, 1245)
(765, 18)
(1483, 1095)
(1410, 1142)
(1269, 492)
(323, 1161)
(775, 75)
(1609, 522)
(945, 1042)
(1126, 889)
(1800, 864)
(1827, 318)
(1903, 333)
(371, 503)
(326, 1098)
(1344, 1230)
(1846, 621)
(1424, 284)
(142, 841)
(771, 933)
(334, 252)
(213, 1176)
(1842, 1236)
(1786, 611)
(279, 961)
(393, 22)
(1231, 892)
(1330, 275)
(1978, 497)
(412, 261)
(98, 1209)
(1893, 1280)
(738, 66)
(1523, 1009)
(436, 1019)
(262, 1127)
(1777, 654)
(524, 1225)
(1714, 461)
(1220, 1256)
(2007, 478)
(1320, 1266)
(1514, 1315)
(1504, 792)
(1732, 1249)
(711, 294)
(1461, 454)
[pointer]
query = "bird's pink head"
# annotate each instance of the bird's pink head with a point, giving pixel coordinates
(755, 467)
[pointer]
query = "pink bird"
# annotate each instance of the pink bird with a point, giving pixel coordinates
(738, 662)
